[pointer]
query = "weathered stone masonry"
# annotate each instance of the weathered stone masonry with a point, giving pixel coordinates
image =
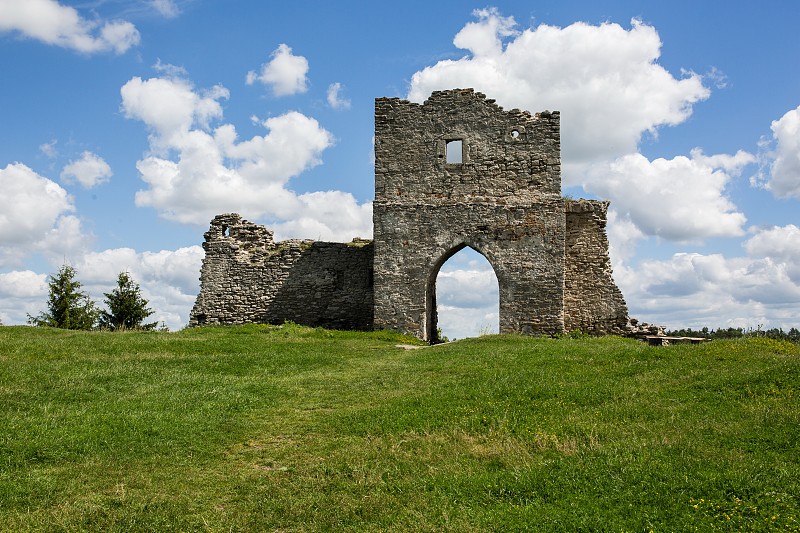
(247, 277)
(592, 301)
(502, 197)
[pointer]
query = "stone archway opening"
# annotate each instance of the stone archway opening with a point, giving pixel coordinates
(463, 296)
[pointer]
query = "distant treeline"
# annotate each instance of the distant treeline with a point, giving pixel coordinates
(792, 335)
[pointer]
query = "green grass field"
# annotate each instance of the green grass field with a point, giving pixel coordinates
(263, 428)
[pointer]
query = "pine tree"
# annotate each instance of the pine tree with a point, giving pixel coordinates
(126, 307)
(67, 306)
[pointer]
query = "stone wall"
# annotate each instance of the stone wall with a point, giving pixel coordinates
(592, 301)
(503, 199)
(499, 193)
(247, 277)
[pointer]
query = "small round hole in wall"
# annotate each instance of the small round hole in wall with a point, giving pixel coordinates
(514, 134)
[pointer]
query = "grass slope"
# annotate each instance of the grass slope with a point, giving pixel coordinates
(260, 428)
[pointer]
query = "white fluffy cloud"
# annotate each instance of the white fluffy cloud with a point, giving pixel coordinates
(285, 73)
(30, 204)
(781, 245)
(335, 99)
(467, 288)
(623, 235)
(328, 216)
(604, 79)
(23, 284)
(680, 199)
(170, 106)
(462, 322)
(52, 23)
(761, 288)
(34, 217)
(22, 292)
(783, 177)
(194, 173)
(90, 170)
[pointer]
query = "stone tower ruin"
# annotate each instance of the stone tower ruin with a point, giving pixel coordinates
(456, 171)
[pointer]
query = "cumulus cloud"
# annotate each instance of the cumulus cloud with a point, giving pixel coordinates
(484, 38)
(22, 292)
(335, 99)
(90, 170)
(680, 199)
(55, 24)
(328, 216)
(781, 244)
(170, 106)
(285, 73)
(65, 239)
(34, 217)
(460, 322)
(23, 284)
(195, 172)
(759, 288)
(623, 235)
(780, 171)
(604, 79)
(474, 289)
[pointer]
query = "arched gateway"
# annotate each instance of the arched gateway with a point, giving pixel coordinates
(452, 172)
(431, 309)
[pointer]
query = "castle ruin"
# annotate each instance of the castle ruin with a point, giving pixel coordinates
(456, 171)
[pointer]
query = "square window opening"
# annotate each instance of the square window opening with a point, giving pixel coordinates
(454, 151)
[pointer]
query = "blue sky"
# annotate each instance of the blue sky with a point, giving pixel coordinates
(127, 124)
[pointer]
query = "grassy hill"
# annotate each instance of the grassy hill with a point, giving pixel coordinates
(261, 428)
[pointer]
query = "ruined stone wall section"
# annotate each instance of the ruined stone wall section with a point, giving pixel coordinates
(511, 157)
(503, 199)
(247, 277)
(592, 301)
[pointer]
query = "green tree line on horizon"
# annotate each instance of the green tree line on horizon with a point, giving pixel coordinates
(793, 335)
